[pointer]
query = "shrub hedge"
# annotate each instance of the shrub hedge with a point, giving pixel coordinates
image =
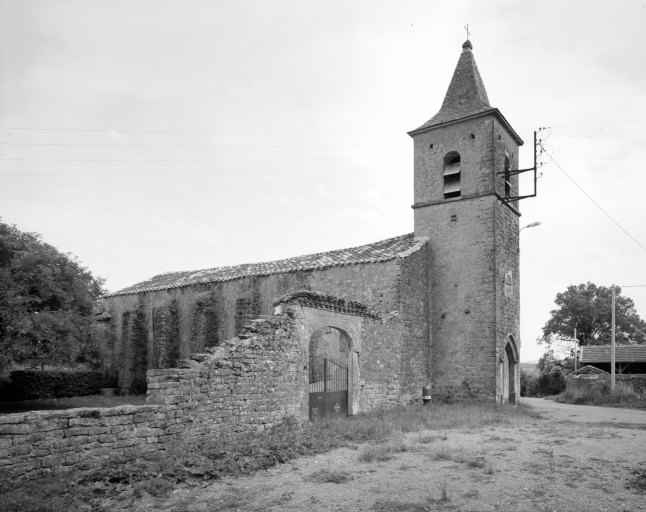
(34, 384)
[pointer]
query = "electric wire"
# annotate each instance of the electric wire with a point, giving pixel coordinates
(190, 132)
(596, 203)
(83, 144)
(181, 173)
(258, 132)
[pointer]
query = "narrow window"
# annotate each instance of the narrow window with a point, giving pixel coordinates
(452, 185)
(507, 178)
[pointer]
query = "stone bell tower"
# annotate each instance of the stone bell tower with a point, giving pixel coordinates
(463, 190)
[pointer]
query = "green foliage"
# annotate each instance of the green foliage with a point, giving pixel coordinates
(46, 303)
(588, 309)
(551, 377)
(37, 384)
(624, 396)
(527, 384)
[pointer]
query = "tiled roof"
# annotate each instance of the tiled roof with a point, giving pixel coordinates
(623, 353)
(466, 94)
(383, 250)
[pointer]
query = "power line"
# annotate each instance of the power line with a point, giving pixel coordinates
(595, 203)
(254, 132)
(190, 132)
(599, 135)
(279, 159)
(177, 173)
(186, 145)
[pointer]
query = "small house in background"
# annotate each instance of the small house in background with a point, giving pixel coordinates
(628, 358)
(593, 375)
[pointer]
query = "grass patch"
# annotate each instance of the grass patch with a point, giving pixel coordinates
(378, 453)
(47, 404)
(622, 397)
(638, 479)
(382, 452)
(458, 455)
(325, 476)
(400, 506)
(430, 438)
(157, 474)
(445, 453)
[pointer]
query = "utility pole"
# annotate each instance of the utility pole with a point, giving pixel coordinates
(612, 344)
(576, 356)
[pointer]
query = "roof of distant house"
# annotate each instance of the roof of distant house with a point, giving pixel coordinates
(623, 353)
(384, 250)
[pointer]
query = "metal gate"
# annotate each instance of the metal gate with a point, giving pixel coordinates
(328, 387)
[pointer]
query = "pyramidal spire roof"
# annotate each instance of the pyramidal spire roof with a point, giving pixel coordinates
(466, 95)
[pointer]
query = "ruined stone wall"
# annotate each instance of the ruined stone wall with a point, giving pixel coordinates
(582, 385)
(206, 314)
(254, 386)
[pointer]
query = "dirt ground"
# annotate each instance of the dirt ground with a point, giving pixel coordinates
(576, 458)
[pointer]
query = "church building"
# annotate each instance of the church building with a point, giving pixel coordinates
(437, 307)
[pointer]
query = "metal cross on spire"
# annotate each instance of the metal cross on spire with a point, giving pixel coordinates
(466, 27)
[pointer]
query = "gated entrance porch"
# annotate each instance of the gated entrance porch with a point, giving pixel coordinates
(328, 387)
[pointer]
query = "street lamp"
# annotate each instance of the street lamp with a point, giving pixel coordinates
(531, 225)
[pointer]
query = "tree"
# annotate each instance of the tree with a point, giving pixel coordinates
(47, 301)
(588, 309)
(552, 373)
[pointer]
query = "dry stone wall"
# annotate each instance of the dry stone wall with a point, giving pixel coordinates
(249, 386)
(586, 384)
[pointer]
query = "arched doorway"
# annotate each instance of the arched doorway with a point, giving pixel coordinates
(509, 370)
(330, 352)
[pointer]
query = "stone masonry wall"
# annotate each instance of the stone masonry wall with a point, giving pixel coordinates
(472, 243)
(591, 384)
(251, 386)
(415, 308)
(206, 312)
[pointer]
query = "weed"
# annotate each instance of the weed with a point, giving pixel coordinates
(430, 438)
(382, 452)
(157, 487)
(475, 463)
(638, 480)
(324, 476)
(229, 501)
(445, 494)
(444, 453)
(375, 453)
(399, 506)
(443, 499)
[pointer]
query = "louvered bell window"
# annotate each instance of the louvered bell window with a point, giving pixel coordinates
(507, 178)
(452, 176)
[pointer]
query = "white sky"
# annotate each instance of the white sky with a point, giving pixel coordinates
(193, 134)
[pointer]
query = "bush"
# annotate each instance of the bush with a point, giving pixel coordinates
(31, 384)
